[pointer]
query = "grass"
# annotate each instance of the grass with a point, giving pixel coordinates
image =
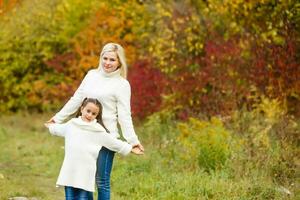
(30, 160)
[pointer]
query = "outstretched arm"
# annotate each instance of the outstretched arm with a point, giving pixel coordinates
(72, 105)
(117, 145)
(57, 129)
(124, 116)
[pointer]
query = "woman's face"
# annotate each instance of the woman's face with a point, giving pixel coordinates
(110, 62)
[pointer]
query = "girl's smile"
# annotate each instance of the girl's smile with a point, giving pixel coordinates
(89, 112)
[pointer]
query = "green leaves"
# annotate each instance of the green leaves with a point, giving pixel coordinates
(31, 34)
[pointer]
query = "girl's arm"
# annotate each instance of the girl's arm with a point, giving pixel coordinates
(57, 129)
(115, 144)
(72, 105)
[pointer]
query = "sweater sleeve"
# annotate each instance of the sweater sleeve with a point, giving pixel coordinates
(115, 144)
(124, 114)
(58, 129)
(73, 103)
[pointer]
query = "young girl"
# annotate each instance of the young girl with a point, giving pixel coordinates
(108, 84)
(84, 137)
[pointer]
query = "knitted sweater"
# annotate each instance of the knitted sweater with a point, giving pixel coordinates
(83, 141)
(113, 91)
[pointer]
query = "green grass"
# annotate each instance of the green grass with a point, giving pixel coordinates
(30, 160)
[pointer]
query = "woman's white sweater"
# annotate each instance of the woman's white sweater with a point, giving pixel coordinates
(113, 91)
(83, 141)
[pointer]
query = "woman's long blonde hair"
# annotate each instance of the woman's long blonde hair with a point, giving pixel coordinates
(118, 49)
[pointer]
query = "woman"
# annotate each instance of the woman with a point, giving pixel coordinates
(108, 84)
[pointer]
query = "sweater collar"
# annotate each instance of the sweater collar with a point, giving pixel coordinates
(91, 126)
(116, 73)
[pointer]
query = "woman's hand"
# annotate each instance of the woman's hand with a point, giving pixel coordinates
(50, 121)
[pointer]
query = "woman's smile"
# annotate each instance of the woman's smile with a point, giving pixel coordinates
(110, 62)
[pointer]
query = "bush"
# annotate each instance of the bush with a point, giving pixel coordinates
(30, 34)
(160, 128)
(147, 87)
(269, 139)
(206, 143)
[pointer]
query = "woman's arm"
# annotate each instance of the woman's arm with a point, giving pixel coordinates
(72, 105)
(124, 114)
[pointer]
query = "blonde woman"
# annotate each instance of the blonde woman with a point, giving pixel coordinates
(109, 85)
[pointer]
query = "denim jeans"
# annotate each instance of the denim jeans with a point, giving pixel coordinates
(77, 194)
(104, 166)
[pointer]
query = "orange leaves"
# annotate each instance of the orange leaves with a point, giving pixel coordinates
(5, 6)
(211, 51)
(106, 26)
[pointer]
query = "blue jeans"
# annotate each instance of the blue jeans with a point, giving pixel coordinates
(104, 166)
(77, 194)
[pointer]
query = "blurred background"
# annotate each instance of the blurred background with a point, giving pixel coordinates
(215, 94)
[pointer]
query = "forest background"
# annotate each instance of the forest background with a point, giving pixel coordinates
(215, 91)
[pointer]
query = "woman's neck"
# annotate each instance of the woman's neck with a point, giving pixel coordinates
(115, 73)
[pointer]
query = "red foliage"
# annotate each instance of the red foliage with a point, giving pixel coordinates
(60, 62)
(147, 85)
(276, 66)
(209, 83)
(219, 80)
(64, 78)
(275, 70)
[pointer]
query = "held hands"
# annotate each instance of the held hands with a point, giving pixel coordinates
(137, 150)
(50, 121)
(140, 147)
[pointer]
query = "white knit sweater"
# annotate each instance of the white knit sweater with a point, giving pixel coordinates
(83, 141)
(113, 91)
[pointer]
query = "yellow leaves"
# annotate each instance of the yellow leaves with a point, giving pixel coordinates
(216, 121)
(234, 27)
(207, 141)
(271, 108)
(259, 125)
(180, 20)
(183, 128)
(65, 6)
(197, 128)
(163, 11)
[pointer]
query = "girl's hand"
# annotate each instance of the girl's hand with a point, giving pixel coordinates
(140, 146)
(136, 151)
(50, 121)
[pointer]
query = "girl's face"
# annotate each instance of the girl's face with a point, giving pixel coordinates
(89, 112)
(110, 61)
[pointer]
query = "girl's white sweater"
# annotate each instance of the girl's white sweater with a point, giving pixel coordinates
(83, 141)
(113, 91)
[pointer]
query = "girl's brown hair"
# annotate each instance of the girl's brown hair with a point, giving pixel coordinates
(98, 104)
